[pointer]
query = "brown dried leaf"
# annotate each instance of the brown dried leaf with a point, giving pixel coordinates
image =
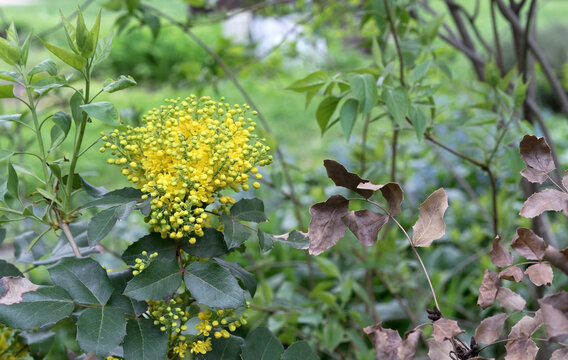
(527, 326)
(536, 153)
(365, 225)
(407, 348)
(439, 350)
(392, 192)
(521, 349)
(533, 175)
(430, 225)
(13, 288)
(385, 341)
(446, 329)
(565, 180)
(540, 274)
(326, 226)
(528, 244)
(488, 289)
(346, 179)
(490, 329)
(510, 300)
(512, 274)
(560, 354)
(555, 314)
(499, 255)
(546, 200)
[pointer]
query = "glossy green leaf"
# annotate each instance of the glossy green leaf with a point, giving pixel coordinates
(129, 306)
(238, 272)
(213, 286)
(153, 242)
(76, 61)
(158, 281)
(45, 306)
(261, 344)
(116, 197)
(84, 279)
(6, 91)
(365, 89)
(13, 184)
(7, 269)
(144, 341)
(397, 104)
(264, 240)
(103, 222)
(313, 81)
(211, 244)
(48, 66)
(419, 121)
(299, 350)
(348, 116)
(122, 83)
(103, 111)
(94, 191)
(325, 110)
(100, 330)
(249, 210)
(235, 232)
(225, 349)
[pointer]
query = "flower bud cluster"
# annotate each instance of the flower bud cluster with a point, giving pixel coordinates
(143, 262)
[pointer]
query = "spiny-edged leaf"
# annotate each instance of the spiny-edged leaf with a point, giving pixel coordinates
(122, 83)
(348, 116)
(103, 222)
(103, 111)
(534, 176)
(48, 66)
(397, 103)
(419, 121)
(555, 315)
(546, 200)
(365, 225)
(238, 272)
(490, 329)
(499, 255)
(324, 111)
(7, 269)
(235, 232)
(528, 244)
(536, 153)
(100, 330)
(84, 279)
(313, 81)
(445, 329)
(144, 340)
(12, 288)
(512, 273)
(116, 197)
(326, 226)
(510, 300)
(45, 306)
(365, 89)
(249, 210)
(299, 350)
(261, 344)
(212, 285)
(540, 274)
(296, 239)
(158, 281)
(225, 349)
(488, 289)
(153, 242)
(392, 192)
(341, 177)
(430, 225)
(76, 61)
(211, 244)
(6, 91)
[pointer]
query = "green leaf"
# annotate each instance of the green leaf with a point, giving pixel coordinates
(294, 239)
(100, 330)
(84, 279)
(7, 269)
(69, 32)
(6, 91)
(25, 50)
(213, 286)
(92, 38)
(153, 23)
(119, 280)
(225, 349)
(116, 197)
(419, 71)
(144, 341)
(75, 104)
(376, 52)
(5, 154)
(419, 121)
(48, 66)
(9, 75)
(103, 50)
(313, 81)
(103, 222)
(103, 111)
(47, 305)
(238, 272)
(153, 242)
(81, 34)
(158, 281)
(75, 61)
(265, 241)
(94, 191)
(42, 86)
(348, 116)
(261, 344)
(211, 244)
(324, 111)
(63, 121)
(249, 210)
(397, 104)
(235, 232)
(9, 52)
(328, 267)
(13, 183)
(365, 89)
(2, 235)
(299, 350)
(123, 82)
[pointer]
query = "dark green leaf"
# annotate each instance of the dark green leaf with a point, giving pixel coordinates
(225, 349)
(299, 350)
(294, 239)
(21, 244)
(75, 104)
(6, 91)
(84, 279)
(81, 32)
(119, 280)
(238, 272)
(153, 23)
(365, 89)
(235, 232)
(116, 197)
(265, 241)
(249, 210)
(313, 81)
(2, 234)
(45, 306)
(123, 82)
(48, 66)
(7, 269)
(100, 225)
(261, 344)
(348, 116)
(63, 121)
(100, 330)
(397, 104)
(213, 286)
(153, 242)
(211, 244)
(93, 191)
(76, 61)
(158, 281)
(13, 183)
(103, 111)
(419, 121)
(144, 341)
(324, 111)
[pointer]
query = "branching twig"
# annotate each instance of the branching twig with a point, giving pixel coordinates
(65, 227)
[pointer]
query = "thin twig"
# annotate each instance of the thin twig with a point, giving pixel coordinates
(396, 41)
(500, 63)
(65, 227)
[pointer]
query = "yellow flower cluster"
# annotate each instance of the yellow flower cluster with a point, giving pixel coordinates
(184, 155)
(10, 347)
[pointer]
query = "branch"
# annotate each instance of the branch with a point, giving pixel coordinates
(65, 227)
(396, 42)
(556, 258)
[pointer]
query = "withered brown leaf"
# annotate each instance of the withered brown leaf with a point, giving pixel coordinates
(540, 274)
(392, 192)
(527, 326)
(565, 180)
(488, 289)
(510, 300)
(490, 329)
(445, 329)
(528, 244)
(385, 341)
(407, 348)
(521, 349)
(439, 350)
(536, 153)
(326, 226)
(546, 200)
(13, 288)
(341, 177)
(560, 354)
(365, 225)
(512, 274)
(430, 225)
(555, 314)
(499, 255)
(534, 176)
